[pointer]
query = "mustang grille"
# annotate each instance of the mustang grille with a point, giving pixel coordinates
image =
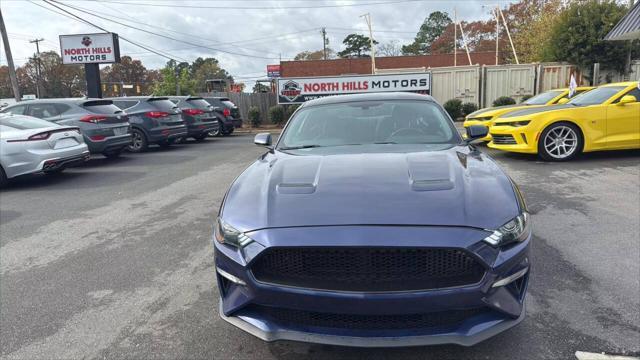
(367, 269)
(503, 139)
(366, 322)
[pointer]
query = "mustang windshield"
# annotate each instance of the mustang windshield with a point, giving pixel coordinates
(369, 122)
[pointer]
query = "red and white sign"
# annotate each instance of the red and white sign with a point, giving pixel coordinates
(273, 71)
(299, 90)
(99, 48)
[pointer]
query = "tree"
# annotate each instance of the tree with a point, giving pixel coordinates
(579, 32)
(56, 79)
(206, 69)
(128, 71)
(261, 88)
(356, 45)
(391, 48)
(432, 27)
(315, 55)
(167, 86)
(5, 83)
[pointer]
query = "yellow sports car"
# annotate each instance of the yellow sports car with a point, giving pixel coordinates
(606, 118)
(487, 115)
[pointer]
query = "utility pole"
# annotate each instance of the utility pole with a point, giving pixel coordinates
(324, 43)
(7, 50)
(455, 37)
(37, 42)
(506, 27)
(367, 18)
(495, 13)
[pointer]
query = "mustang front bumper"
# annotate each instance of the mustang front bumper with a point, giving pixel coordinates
(247, 302)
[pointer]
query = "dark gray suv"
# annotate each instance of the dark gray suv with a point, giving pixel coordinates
(198, 115)
(229, 110)
(104, 126)
(154, 120)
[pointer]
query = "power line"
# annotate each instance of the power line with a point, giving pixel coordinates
(77, 18)
(261, 7)
(164, 36)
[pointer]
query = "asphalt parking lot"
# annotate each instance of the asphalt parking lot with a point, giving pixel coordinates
(113, 260)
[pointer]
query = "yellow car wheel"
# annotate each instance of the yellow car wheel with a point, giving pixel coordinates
(561, 141)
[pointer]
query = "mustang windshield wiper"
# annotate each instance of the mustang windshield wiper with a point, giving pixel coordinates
(300, 147)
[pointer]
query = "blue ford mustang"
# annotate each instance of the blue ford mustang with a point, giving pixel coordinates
(372, 223)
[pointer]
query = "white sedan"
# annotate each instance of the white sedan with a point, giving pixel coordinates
(29, 145)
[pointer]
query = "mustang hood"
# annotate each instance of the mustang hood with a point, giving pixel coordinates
(448, 187)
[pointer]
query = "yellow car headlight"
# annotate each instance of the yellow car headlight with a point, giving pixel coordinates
(514, 123)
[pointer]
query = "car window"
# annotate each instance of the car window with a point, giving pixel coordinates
(201, 103)
(16, 110)
(542, 99)
(369, 122)
(163, 104)
(596, 96)
(125, 104)
(24, 122)
(633, 92)
(43, 111)
(228, 104)
(62, 108)
(101, 107)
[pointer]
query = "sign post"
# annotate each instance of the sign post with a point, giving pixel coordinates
(90, 50)
(299, 90)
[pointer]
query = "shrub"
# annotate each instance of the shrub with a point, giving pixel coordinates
(468, 108)
(254, 116)
(504, 100)
(454, 108)
(276, 114)
(525, 98)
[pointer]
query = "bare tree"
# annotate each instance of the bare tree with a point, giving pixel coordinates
(391, 48)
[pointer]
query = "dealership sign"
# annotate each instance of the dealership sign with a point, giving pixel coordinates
(273, 71)
(299, 90)
(99, 48)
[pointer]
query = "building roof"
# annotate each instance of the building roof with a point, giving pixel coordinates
(629, 27)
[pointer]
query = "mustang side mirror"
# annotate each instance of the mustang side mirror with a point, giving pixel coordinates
(475, 132)
(262, 139)
(627, 99)
(563, 101)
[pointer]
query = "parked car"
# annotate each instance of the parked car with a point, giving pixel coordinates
(606, 118)
(367, 224)
(198, 115)
(487, 116)
(29, 145)
(104, 126)
(228, 109)
(154, 120)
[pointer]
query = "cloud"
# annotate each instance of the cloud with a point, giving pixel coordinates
(254, 30)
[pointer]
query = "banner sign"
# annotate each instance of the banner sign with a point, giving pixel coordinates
(273, 71)
(102, 48)
(299, 90)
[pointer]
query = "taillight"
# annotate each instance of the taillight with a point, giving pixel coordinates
(156, 114)
(193, 111)
(93, 118)
(36, 137)
(226, 112)
(97, 137)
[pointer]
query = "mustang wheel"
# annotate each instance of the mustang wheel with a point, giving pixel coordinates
(560, 142)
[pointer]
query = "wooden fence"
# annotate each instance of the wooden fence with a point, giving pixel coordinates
(245, 100)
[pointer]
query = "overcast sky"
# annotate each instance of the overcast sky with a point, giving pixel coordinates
(278, 31)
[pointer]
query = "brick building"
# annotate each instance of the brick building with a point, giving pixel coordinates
(363, 65)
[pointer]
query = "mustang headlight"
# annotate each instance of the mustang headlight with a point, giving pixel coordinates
(227, 234)
(515, 230)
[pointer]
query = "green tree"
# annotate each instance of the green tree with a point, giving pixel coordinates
(169, 76)
(56, 79)
(356, 45)
(577, 36)
(261, 88)
(203, 69)
(432, 27)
